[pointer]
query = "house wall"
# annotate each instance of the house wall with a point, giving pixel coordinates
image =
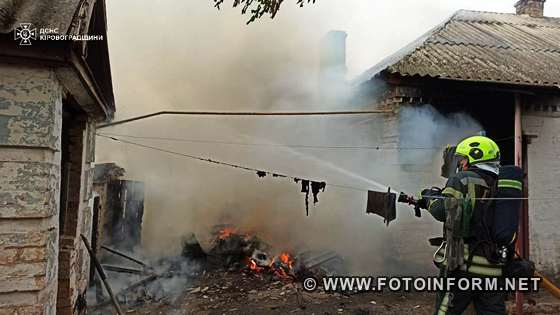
(30, 128)
(543, 126)
(34, 252)
(73, 272)
(102, 235)
(406, 250)
(541, 122)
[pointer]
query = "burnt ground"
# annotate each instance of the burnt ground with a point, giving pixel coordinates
(221, 292)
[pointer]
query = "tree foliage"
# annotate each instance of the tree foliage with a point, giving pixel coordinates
(259, 8)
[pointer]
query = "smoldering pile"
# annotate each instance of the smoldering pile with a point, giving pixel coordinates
(237, 251)
(164, 280)
(138, 282)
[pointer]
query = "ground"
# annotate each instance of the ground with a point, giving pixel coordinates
(222, 292)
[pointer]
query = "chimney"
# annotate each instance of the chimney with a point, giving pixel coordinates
(333, 56)
(533, 8)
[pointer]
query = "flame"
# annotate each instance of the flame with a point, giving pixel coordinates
(226, 232)
(281, 265)
(253, 265)
(286, 259)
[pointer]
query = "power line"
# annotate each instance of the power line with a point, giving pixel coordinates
(364, 147)
(246, 168)
(223, 113)
(280, 175)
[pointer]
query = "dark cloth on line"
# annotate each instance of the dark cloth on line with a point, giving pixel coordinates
(382, 204)
(315, 188)
(305, 189)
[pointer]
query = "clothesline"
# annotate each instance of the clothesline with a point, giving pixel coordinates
(377, 147)
(260, 172)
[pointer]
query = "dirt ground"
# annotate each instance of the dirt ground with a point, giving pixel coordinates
(222, 292)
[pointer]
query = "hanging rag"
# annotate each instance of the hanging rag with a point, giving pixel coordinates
(382, 204)
(305, 189)
(315, 188)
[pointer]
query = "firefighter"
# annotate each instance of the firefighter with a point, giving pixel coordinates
(468, 248)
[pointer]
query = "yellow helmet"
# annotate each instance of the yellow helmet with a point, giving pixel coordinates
(478, 149)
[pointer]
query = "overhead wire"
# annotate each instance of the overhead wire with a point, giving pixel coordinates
(363, 147)
(209, 160)
(248, 114)
(281, 175)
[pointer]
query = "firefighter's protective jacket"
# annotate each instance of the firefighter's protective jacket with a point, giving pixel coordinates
(472, 223)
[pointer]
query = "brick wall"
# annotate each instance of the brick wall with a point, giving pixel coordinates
(534, 8)
(542, 123)
(34, 254)
(406, 249)
(30, 125)
(73, 271)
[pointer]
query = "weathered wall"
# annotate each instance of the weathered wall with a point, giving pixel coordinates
(406, 250)
(30, 127)
(102, 235)
(74, 259)
(543, 125)
(541, 121)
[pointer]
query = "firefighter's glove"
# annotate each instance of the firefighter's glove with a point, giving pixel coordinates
(426, 195)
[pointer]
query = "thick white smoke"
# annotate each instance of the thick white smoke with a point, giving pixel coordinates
(214, 62)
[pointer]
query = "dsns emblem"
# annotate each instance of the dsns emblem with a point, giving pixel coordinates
(25, 33)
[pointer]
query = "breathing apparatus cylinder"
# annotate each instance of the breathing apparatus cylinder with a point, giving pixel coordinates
(507, 205)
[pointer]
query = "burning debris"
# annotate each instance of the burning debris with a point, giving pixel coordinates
(232, 250)
(236, 250)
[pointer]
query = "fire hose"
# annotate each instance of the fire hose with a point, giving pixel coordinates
(548, 285)
(545, 282)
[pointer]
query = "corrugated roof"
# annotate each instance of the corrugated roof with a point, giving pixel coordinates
(483, 46)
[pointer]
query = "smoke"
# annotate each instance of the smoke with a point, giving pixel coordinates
(213, 62)
(423, 128)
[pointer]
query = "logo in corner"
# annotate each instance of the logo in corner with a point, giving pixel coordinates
(25, 33)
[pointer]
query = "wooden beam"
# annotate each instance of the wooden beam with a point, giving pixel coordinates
(78, 80)
(53, 54)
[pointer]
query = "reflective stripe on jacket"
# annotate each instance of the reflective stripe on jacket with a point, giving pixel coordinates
(479, 265)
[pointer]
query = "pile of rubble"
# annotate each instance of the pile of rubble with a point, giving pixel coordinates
(231, 251)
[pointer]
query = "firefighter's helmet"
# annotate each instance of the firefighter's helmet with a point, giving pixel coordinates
(478, 149)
